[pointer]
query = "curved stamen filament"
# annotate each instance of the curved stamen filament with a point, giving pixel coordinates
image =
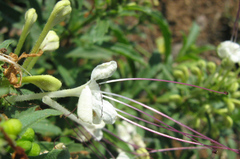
(159, 80)
(164, 115)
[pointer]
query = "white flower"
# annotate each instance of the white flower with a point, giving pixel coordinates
(92, 108)
(127, 132)
(230, 50)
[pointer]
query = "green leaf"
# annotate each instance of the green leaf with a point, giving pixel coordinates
(6, 43)
(162, 23)
(29, 119)
(66, 75)
(190, 39)
(94, 52)
(99, 31)
(54, 154)
(127, 51)
(46, 128)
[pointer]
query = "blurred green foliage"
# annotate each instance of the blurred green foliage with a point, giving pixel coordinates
(99, 31)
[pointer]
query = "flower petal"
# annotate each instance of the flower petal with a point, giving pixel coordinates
(84, 109)
(229, 49)
(109, 113)
(104, 70)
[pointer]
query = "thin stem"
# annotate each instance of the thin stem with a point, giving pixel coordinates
(74, 92)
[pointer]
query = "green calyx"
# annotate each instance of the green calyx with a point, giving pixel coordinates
(45, 82)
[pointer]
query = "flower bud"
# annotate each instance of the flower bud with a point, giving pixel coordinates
(45, 82)
(211, 67)
(201, 64)
(60, 12)
(207, 108)
(30, 18)
(178, 74)
(221, 111)
(142, 153)
(25, 144)
(233, 87)
(236, 102)
(28, 135)
(185, 71)
(175, 98)
(228, 122)
(50, 42)
(227, 64)
(236, 94)
(35, 150)
(196, 71)
(12, 126)
(197, 122)
(230, 105)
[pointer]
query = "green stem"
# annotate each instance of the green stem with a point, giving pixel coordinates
(22, 39)
(221, 82)
(30, 61)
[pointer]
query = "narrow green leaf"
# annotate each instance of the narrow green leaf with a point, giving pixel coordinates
(6, 43)
(66, 75)
(94, 52)
(127, 51)
(190, 39)
(100, 30)
(162, 23)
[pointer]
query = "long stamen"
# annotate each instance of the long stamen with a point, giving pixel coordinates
(156, 132)
(168, 126)
(176, 148)
(159, 80)
(171, 129)
(164, 115)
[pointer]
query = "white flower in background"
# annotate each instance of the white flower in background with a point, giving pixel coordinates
(127, 132)
(92, 108)
(50, 42)
(230, 50)
(122, 155)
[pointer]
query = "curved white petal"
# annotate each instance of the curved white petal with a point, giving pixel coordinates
(109, 113)
(104, 70)
(84, 108)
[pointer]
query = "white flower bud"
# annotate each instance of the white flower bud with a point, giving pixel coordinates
(51, 42)
(104, 70)
(30, 18)
(60, 12)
